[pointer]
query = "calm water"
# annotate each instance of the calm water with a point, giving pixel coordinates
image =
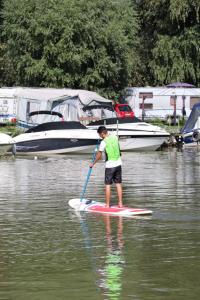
(47, 252)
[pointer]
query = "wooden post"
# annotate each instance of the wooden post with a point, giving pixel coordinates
(143, 111)
(183, 108)
(175, 98)
(144, 96)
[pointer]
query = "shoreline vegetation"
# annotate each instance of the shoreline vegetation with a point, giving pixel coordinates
(10, 129)
(99, 45)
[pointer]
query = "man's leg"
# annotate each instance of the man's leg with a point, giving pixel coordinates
(108, 192)
(119, 194)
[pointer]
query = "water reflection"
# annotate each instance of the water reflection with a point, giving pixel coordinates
(111, 281)
(46, 252)
(108, 272)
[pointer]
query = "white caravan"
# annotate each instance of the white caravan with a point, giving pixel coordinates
(8, 105)
(161, 102)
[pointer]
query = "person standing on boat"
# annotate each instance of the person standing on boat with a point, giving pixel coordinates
(113, 168)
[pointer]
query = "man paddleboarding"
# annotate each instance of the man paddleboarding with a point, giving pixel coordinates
(113, 167)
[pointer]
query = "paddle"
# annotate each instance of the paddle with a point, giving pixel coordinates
(89, 171)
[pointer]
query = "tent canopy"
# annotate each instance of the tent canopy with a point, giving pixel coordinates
(68, 102)
(51, 94)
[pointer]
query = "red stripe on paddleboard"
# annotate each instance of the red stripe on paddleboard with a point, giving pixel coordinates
(113, 209)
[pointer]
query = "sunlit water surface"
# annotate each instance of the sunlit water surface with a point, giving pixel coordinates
(47, 252)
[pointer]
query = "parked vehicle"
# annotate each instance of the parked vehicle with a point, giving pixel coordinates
(123, 110)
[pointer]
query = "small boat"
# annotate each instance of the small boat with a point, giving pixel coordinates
(6, 143)
(133, 134)
(56, 138)
(191, 131)
(73, 137)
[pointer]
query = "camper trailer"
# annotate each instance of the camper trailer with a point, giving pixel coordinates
(8, 105)
(161, 102)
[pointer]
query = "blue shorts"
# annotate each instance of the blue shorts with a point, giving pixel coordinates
(113, 175)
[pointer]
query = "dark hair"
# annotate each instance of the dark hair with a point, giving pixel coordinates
(101, 129)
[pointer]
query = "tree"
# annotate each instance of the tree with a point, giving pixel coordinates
(171, 37)
(1, 45)
(71, 43)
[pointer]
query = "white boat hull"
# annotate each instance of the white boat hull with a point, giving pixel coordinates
(6, 142)
(132, 137)
(56, 142)
(137, 136)
(141, 144)
(77, 150)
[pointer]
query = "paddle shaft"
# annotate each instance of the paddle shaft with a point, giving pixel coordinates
(89, 172)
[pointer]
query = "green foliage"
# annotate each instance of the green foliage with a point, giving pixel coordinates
(71, 43)
(11, 129)
(101, 45)
(171, 37)
(177, 58)
(184, 11)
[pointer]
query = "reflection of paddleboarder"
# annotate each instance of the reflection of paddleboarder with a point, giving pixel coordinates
(114, 261)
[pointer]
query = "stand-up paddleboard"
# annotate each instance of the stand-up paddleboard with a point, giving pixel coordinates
(98, 207)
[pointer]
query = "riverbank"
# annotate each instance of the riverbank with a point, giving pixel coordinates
(10, 129)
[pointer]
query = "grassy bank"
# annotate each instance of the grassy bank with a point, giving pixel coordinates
(173, 129)
(10, 129)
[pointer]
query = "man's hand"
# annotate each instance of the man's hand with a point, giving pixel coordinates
(98, 157)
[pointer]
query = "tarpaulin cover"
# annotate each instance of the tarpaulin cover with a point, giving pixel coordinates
(192, 120)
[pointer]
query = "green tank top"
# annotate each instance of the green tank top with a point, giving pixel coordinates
(112, 147)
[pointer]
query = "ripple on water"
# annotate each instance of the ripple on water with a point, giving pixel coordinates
(48, 252)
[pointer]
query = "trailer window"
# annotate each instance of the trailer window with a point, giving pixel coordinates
(194, 100)
(147, 105)
(128, 92)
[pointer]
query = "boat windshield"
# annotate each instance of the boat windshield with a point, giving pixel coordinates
(112, 121)
(56, 126)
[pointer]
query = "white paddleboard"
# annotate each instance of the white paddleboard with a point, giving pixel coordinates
(98, 207)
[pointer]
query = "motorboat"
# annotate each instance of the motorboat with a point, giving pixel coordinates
(6, 143)
(73, 137)
(133, 134)
(191, 130)
(56, 138)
